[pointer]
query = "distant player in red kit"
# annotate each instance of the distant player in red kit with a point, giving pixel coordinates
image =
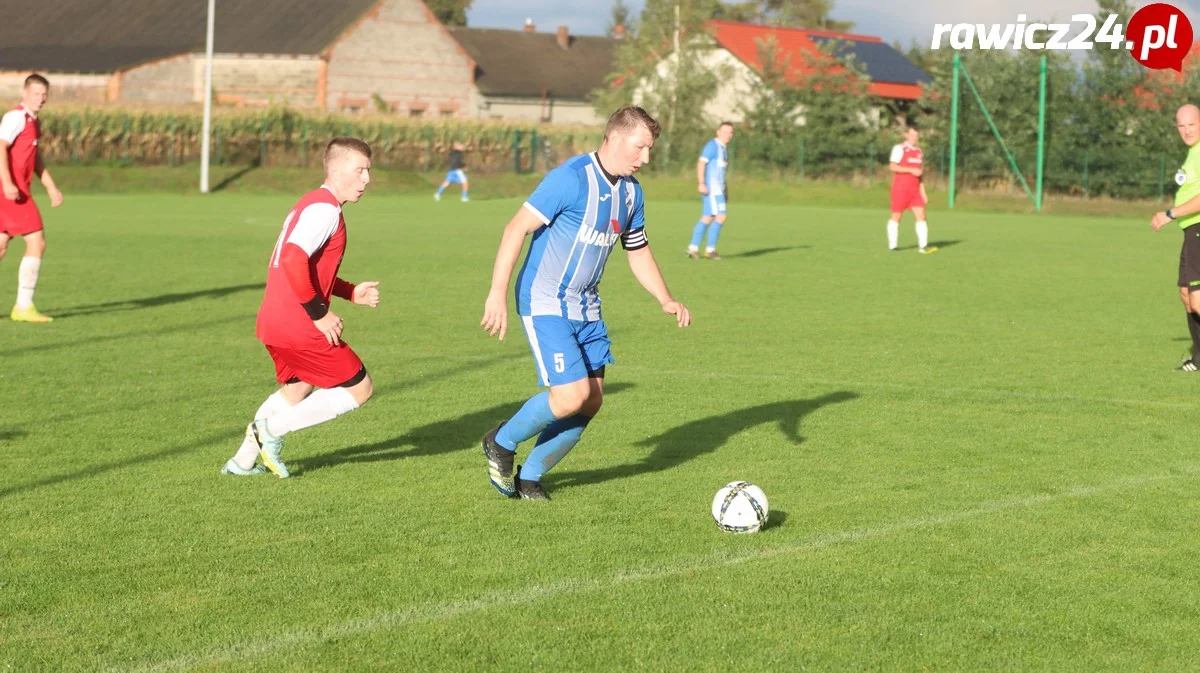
(908, 191)
(296, 324)
(19, 216)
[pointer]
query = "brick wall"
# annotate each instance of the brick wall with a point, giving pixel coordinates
(532, 110)
(401, 54)
(260, 80)
(170, 81)
(66, 87)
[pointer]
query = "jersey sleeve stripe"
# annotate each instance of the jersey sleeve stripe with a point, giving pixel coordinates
(538, 213)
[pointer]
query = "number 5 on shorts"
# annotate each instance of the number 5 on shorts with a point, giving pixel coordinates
(560, 364)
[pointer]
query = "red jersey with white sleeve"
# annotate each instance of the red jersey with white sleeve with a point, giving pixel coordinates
(305, 262)
(906, 156)
(21, 129)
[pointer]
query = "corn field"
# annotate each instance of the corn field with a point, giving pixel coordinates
(282, 137)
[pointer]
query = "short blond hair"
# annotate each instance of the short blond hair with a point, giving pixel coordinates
(628, 119)
(342, 144)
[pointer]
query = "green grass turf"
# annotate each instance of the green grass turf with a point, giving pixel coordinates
(977, 460)
(781, 189)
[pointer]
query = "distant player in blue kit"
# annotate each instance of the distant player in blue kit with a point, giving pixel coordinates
(710, 173)
(576, 215)
(454, 161)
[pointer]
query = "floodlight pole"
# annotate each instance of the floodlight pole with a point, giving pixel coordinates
(1041, 154)
(953, 128)
(207, 127)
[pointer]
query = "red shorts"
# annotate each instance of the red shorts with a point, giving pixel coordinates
(905, 199)
(20, 217)
(327, 367)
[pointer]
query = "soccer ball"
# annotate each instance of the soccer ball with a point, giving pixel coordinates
(740, 507)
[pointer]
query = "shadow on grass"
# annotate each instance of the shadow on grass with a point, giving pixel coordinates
(933, 244)
(446, 436)
(228, 437)
(152, 302)
(691, 440)
(11, 434)
(776, 518)
(234, 177)
(765, 251)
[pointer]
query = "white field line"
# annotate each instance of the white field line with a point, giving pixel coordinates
(451, 609)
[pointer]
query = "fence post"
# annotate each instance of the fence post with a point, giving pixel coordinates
(516, 151)
(125, 139)
(801, 158)
(219, 155)
(262, 145)
(870, 163)
(533, 151)
(429, 148)
(171, 141)
(1162, 175)
(75, 137)
(1086, 181)
(304, 144)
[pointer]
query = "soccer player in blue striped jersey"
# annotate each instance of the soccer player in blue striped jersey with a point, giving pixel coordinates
(577, 215)
(710, 173)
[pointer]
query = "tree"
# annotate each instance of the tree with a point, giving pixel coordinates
(771, 115)
(619, 17)
(664, 67)
(785, 13)
(837, 122)
(450, 12)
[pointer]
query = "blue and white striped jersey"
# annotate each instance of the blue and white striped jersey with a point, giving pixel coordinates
(716, 157)
(585, 215)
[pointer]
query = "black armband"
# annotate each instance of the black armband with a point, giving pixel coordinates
(634, 240)
(315, 308)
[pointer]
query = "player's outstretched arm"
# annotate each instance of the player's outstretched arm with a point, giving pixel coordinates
(646, 270)
(366, 293)
(495, 309)
(1189, 207)
(39, 167)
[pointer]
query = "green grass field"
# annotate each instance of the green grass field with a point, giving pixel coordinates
(977, 460)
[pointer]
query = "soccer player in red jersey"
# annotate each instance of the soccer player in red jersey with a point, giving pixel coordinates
(19, 216)
(295, 323)
(908, 191)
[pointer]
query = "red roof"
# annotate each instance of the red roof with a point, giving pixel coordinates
(742, 40)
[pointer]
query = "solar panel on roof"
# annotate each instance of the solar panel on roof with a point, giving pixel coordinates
(881, 62)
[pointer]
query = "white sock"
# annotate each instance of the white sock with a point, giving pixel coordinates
(893, 234)
(27, 277)
(693, 248)
(248, 452)
(320, 407)
(922, 234)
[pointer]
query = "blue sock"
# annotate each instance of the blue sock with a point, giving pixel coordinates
(714, 232)
(698, 234)
(555, 442)
(529, 421)
(464, 194)
(440, 190)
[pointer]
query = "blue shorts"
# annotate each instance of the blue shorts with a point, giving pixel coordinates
(714, 204)
(456, 175)
(566, 350)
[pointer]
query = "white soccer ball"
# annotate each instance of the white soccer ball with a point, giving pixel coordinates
(740, 507)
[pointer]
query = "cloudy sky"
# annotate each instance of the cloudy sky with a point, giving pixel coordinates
(890, 19)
